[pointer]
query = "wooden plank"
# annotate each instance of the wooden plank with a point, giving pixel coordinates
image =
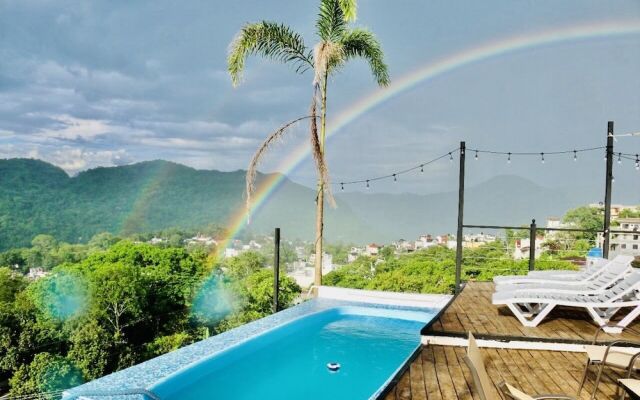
(418, 388)
(429, 373)
(403, 388)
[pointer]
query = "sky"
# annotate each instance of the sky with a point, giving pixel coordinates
(105, 83)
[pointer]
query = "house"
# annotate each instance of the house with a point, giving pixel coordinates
(36, 273)
(156, 240)
(523, 246)
(373, 249)
(354, 253)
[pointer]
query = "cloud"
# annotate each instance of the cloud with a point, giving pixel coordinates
(71, 128)
(71, 159)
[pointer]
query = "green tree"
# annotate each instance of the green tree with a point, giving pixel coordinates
(164, 344)
(339, 43)
(102, 241)
(247, 263)
(91, 349)
(588, 218)
(11, 283)
(46, 373)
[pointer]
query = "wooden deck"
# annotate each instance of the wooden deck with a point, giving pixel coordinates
(439, 373)
(472, 311)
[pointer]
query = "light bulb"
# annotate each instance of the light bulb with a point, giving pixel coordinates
(509, 159)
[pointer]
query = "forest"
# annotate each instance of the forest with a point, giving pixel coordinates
(114, 303)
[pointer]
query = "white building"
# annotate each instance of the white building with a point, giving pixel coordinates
(373, 249)
(202, 240)
(327, 262)
(35, 273)
(624, 243)
(354, 253)
(523, 247)
(156, 240)
(231, 252)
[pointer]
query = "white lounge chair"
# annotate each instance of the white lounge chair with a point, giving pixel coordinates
(611, 274)
(581, 277)
(597, 263)
(532, 307)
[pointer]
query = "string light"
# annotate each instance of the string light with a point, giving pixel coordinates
(613, 179)
(633, 157)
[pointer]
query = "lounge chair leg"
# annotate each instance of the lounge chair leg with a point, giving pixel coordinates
(584, 377)
(629, 318)
(595, 387)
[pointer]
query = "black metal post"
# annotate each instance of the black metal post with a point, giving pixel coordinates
(532, 245)
(276, 269)
(607, 193)
(463, 151)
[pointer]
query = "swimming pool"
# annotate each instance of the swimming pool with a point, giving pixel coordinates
(285, 355)
(290, 362)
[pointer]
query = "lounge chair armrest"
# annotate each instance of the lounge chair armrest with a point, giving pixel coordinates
(553, 396)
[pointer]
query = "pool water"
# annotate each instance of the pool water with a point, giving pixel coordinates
(290, 362)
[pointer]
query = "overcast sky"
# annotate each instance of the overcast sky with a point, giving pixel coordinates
(88, 83)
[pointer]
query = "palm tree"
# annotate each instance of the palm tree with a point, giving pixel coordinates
(339, 43)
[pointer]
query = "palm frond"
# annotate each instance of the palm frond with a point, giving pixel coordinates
(349, 9)
(362, 43)
(271, 40)
(272, 139)
(332, 23)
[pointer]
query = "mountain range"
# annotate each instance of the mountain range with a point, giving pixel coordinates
(37, 197)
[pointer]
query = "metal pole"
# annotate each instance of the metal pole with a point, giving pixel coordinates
(607, 193)
(276, 269)
(532, 245)
(463, 151)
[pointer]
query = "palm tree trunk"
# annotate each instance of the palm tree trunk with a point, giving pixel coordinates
(320, 196)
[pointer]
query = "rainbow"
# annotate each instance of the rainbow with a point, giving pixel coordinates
(424, 74)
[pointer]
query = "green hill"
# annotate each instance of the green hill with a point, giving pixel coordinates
(36, 197)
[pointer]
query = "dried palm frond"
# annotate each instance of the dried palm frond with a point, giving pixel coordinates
(318, 155)
(272, 139)
(326, 55)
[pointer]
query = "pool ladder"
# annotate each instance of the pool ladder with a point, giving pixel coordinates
(125, 392)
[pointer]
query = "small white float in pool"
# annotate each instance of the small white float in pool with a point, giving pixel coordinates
(333, 366)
